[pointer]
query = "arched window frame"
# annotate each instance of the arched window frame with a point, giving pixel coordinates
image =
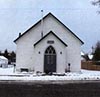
(50, 50)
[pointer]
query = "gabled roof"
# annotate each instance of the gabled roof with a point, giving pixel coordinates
(44, 18)
(47, 35)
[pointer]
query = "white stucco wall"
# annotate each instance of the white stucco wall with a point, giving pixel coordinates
(28, 57)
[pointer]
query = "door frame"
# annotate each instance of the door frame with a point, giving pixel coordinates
(48, 61)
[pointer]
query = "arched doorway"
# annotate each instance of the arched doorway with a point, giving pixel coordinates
(50, 60)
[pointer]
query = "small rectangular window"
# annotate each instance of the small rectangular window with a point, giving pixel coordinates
(50, 42)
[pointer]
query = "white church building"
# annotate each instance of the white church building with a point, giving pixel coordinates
(48, 46)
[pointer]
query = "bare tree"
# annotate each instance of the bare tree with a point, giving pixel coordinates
(96, 3)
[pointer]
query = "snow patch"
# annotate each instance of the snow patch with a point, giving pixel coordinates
(9, 74)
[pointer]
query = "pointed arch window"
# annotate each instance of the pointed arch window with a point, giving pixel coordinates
(50, 50)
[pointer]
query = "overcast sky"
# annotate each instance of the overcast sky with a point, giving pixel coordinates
(18, 15)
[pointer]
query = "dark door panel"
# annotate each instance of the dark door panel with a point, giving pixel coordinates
(50, 60)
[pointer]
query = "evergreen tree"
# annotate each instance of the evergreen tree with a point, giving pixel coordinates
(6, 54)
(13, 56)
(0, 53)
(96, 53)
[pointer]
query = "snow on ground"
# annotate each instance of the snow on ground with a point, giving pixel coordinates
(9, 74)
(6, 71)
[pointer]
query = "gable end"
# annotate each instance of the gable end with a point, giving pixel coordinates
(49, 34)
(44, 18)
